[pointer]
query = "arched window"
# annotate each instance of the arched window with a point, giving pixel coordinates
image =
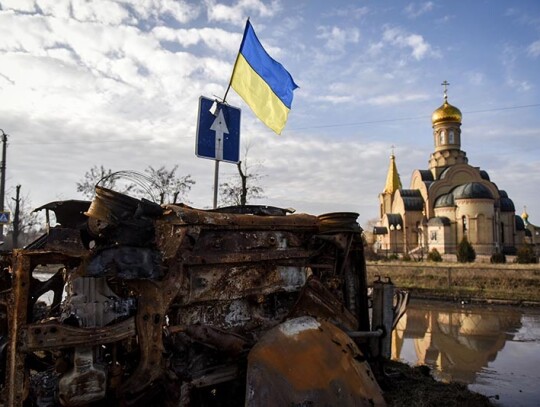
(502, 232)
(464, 223)
(451, 137)
(441, 137)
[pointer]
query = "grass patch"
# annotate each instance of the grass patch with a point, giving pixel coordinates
(451, 281)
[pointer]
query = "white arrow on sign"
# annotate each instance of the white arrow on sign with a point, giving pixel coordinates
(220, 127)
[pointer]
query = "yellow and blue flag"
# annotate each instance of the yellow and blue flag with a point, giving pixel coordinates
(263, 83)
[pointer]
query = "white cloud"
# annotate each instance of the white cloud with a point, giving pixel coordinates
(296, 165)
(238, 12)
(534, 49)
(336, 38)
(216, 39)
(107, 12)
(349, 12)
(418, 45)
(24, 33)
(396, 98)
(55, 8)
(520, 86)
(179, 10)
(475, 78)
(414, 10)
(27, 6)
(335, 99)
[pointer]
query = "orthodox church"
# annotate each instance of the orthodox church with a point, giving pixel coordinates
(446, 202)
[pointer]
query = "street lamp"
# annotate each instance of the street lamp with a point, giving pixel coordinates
(398, 228)
(393, 229)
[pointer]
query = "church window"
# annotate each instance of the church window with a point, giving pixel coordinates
(502, 232)
(464, 223)
(451, 137)
(441, 137)
(433, 235)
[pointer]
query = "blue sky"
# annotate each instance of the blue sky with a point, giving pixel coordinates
(117, 83)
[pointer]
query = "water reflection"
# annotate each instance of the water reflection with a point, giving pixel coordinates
(457, 341)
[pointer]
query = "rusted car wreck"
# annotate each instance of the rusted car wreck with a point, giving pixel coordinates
(170, 305)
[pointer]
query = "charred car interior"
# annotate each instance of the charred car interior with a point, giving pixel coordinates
(127, 302)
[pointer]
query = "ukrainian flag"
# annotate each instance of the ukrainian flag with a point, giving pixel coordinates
(263, 83)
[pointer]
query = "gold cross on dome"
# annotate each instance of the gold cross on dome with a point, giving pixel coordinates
(445, 84)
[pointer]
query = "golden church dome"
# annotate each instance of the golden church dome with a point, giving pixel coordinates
(446, 113)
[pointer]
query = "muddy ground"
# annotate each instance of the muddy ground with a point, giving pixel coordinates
(406, 386)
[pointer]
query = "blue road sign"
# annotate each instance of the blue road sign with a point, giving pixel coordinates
(218, 131)
(4, 218)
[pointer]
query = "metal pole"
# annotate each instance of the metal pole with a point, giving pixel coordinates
(382, 318)
(216, 176)
(3, 179)
(366, 334)
(16, 218)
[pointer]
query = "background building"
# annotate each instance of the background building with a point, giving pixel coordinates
(446, 202)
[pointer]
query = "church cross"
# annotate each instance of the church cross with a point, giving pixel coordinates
(445, 84)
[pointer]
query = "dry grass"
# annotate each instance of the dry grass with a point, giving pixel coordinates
(511, 283)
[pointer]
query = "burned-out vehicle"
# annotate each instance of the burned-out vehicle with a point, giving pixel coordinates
(126, 302)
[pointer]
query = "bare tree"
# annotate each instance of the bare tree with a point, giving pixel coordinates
(30, 225)
(370, 224)
(243, 188)
(104, 176)
(171, 186)
(160, 184)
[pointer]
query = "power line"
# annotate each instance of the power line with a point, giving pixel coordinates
(503, 108)
(409, 118)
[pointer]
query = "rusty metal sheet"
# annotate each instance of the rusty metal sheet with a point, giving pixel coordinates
(53, 335)
(310, 363)
(191, 216)
(316, 300)
(220, 283)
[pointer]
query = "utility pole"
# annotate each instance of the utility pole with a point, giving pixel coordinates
(16, 218)
(3, 179)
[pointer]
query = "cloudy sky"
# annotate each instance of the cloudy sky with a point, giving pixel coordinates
(117, 83)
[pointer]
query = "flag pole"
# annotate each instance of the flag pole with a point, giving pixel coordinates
(216, 167)
(236, 62)
(230, 80)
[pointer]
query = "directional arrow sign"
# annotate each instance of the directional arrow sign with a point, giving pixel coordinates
(220, 127)
(218, 131)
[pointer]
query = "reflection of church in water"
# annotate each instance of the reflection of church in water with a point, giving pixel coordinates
(448, 201)
(457, 342)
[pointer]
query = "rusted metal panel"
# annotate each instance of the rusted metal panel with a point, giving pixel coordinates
(227, 283)
(54, 335)
(305, 361)
(190, 216)
(16, 388)
(317, 301)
